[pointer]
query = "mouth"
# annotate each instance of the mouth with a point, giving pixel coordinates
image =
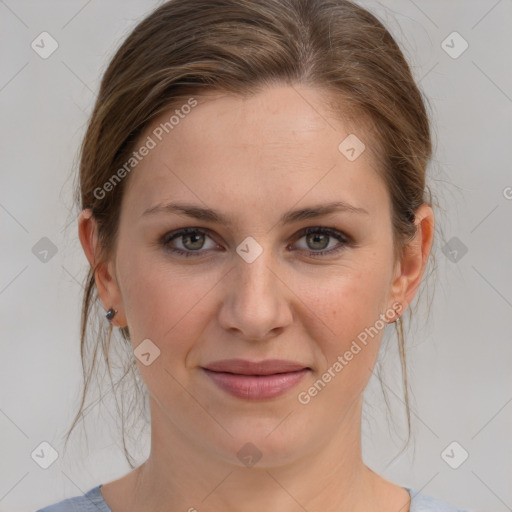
(265, 367)
(256, 380)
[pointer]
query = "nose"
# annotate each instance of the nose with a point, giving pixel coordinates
(257, 302)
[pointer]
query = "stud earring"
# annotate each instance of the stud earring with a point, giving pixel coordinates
(110, 313)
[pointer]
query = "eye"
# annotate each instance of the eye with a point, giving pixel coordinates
(318, 239)
(190, 239)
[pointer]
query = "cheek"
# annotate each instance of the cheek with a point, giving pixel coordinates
(169, 308)
(347, 331)
(348, 300)
(162, 303)
(344, 309)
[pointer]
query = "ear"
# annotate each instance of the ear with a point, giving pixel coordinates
(410, 269)
(105, 278)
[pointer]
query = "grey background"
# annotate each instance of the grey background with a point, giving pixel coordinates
(459, 359)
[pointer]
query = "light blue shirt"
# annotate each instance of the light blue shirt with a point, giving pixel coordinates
(92, 501)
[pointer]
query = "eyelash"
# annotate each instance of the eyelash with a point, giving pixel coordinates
(344, 239)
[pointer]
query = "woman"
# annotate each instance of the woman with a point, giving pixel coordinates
(255, 214)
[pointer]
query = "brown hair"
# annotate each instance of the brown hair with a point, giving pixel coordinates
(185, 47)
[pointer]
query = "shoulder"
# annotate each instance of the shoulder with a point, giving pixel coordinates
(91, 501)
(423, 503)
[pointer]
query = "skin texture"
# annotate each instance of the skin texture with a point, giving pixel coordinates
(253, 160)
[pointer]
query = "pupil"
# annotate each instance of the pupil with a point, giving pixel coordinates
(316, 237)
(191, 237)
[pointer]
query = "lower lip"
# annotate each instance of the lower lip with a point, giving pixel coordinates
(255, 387)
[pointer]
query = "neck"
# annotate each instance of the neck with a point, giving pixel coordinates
(183, 474)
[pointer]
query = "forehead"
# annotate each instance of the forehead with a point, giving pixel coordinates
(283, 141)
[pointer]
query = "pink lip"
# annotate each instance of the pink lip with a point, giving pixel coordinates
(245, 367)
(256, 380)
(256, 386)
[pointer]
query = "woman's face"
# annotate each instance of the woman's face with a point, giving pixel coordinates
(255, 286)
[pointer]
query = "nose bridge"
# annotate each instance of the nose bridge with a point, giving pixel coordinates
(254, 278)
(253, 304)
(254, 273)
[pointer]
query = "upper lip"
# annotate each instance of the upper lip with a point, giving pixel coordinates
(245, 367)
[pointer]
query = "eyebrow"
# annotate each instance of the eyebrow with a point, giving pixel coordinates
(207, 214)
